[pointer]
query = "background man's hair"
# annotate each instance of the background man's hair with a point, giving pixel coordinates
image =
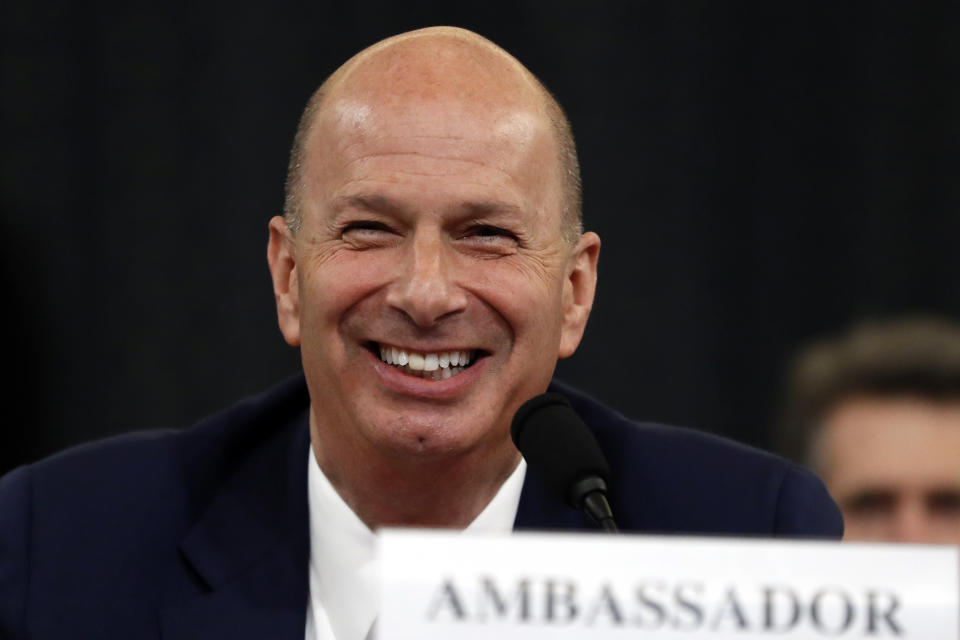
(913, 356)
(572, 203)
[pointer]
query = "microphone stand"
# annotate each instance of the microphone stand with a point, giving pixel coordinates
(590, 495)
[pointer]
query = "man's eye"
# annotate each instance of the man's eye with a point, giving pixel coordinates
(490, 234)
(365, 225)
(367, 233)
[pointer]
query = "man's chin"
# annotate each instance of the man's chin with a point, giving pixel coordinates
(431, 433)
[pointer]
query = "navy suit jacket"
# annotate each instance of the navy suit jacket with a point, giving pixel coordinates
(204, 533)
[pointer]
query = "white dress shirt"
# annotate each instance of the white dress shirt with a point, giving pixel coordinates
(343, 564)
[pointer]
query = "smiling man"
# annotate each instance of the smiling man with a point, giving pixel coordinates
(428, 271)
(431, 267)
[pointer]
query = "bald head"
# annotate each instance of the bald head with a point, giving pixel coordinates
(440, 64)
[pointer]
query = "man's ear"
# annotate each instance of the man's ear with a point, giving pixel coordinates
(283, 271)
(578, 289)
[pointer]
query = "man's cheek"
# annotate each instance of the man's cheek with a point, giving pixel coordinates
(514, 283)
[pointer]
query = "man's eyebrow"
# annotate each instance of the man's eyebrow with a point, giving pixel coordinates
(375, 203)
(872, 498)
(378, 203)
(944, 499)
(482, 208)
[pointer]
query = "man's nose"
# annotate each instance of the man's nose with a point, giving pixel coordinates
(425, 289)
(911, 523)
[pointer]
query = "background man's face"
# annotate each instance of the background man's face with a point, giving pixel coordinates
(431, 225)
(893, 466)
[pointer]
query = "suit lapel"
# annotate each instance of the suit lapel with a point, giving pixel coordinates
(250, 549)
(248, 554)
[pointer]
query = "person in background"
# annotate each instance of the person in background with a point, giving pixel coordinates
(876, 413)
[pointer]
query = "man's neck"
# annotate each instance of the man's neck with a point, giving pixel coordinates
(404, 491)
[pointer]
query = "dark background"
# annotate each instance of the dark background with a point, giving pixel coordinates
(760, 172)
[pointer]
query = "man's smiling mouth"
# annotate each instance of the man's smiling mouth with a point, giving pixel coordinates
(430, 366)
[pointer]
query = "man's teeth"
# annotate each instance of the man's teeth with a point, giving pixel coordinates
(442, 365)
(425, 361)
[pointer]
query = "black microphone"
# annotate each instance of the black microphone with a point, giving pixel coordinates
(562, 451)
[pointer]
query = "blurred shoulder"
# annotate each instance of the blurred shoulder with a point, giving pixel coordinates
(691, 481)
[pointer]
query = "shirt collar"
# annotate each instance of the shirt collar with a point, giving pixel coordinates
(343, 571)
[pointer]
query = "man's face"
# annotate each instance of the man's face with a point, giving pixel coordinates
(893, 466)
(431, 228)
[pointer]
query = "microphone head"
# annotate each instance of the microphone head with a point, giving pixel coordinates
(558, 446)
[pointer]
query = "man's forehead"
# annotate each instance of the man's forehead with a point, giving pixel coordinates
(354, 143)
(445, 89)
(356, 117)
(892, 437)
(436, 96)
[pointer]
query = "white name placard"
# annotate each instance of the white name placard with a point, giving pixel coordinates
(443, 585)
